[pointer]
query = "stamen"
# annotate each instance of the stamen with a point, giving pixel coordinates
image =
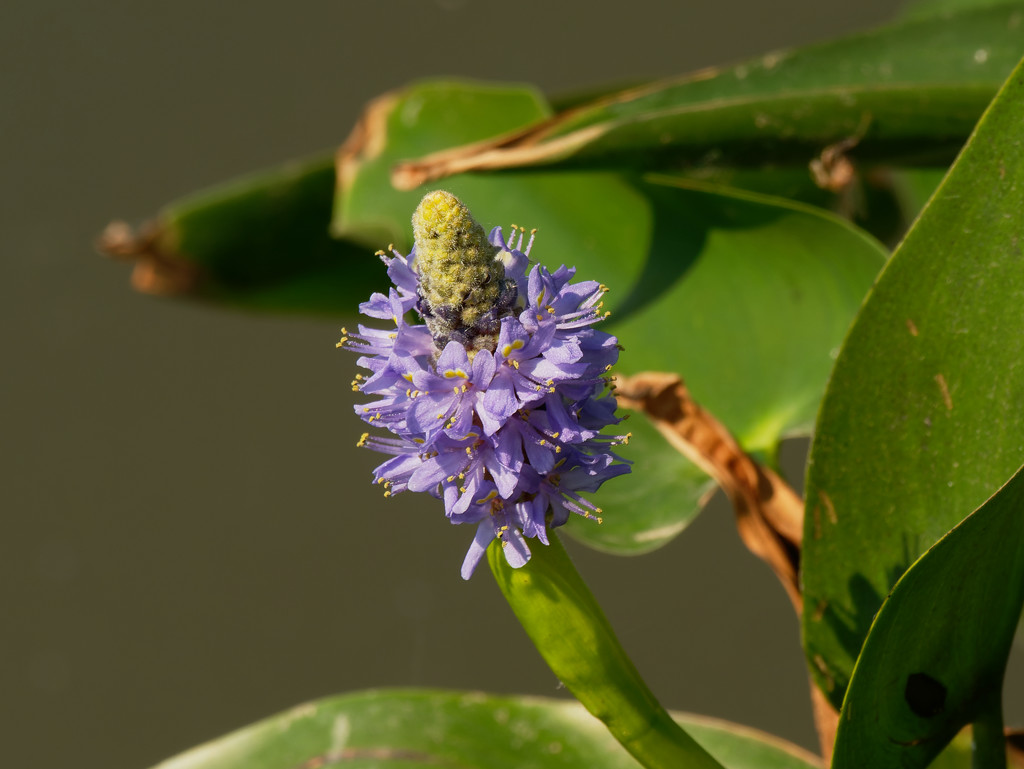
(533, 234)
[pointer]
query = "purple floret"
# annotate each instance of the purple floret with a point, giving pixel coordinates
(508, 438)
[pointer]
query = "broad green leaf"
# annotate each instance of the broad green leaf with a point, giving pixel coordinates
(662, 494)
(405, 123)
(923, 417)
(424, 728)
(910, 91)
(262, 242)
(745, 295)
(935, 657)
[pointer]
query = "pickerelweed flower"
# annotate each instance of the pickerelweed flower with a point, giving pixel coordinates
(496, 402)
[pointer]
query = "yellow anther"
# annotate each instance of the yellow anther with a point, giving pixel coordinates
(387, 493)
(533, 231)
(608, 367)
(392, 336)
(379, 252)
(551, 310)
(516, 344)
(440, 416)
(451, 478)
(607, 314)
(344, 331)
(391, 246)
(515, 364)
(555, 435)
(342, 342)
(362, 440)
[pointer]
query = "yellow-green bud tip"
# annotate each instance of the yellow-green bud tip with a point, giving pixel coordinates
(460, 281)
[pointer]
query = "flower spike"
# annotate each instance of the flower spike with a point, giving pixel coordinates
(496, 402)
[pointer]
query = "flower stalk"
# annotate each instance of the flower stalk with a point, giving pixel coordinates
(568, 627)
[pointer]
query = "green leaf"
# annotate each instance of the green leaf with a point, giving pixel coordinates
(260, 242)
(934, 659)
(423, 728)
(415, 120)
(663, 492)
(745, 295)
(909, 91)
(923, 417)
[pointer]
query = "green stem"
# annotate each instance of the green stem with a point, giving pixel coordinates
(567, 626)
(988, 743)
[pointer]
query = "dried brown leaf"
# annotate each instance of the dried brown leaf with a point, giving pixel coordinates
(157, 270)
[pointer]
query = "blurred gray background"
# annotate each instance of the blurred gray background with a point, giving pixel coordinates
(190, 541)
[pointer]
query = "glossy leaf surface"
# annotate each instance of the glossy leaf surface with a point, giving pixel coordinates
(923, 418)
(261, 241)
(745, 295)
(935, 657)
(411, 728)
(910, 91)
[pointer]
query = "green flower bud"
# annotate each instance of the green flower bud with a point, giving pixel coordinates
(462, 286)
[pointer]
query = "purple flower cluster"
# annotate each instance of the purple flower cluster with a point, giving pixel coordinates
(507, 437)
